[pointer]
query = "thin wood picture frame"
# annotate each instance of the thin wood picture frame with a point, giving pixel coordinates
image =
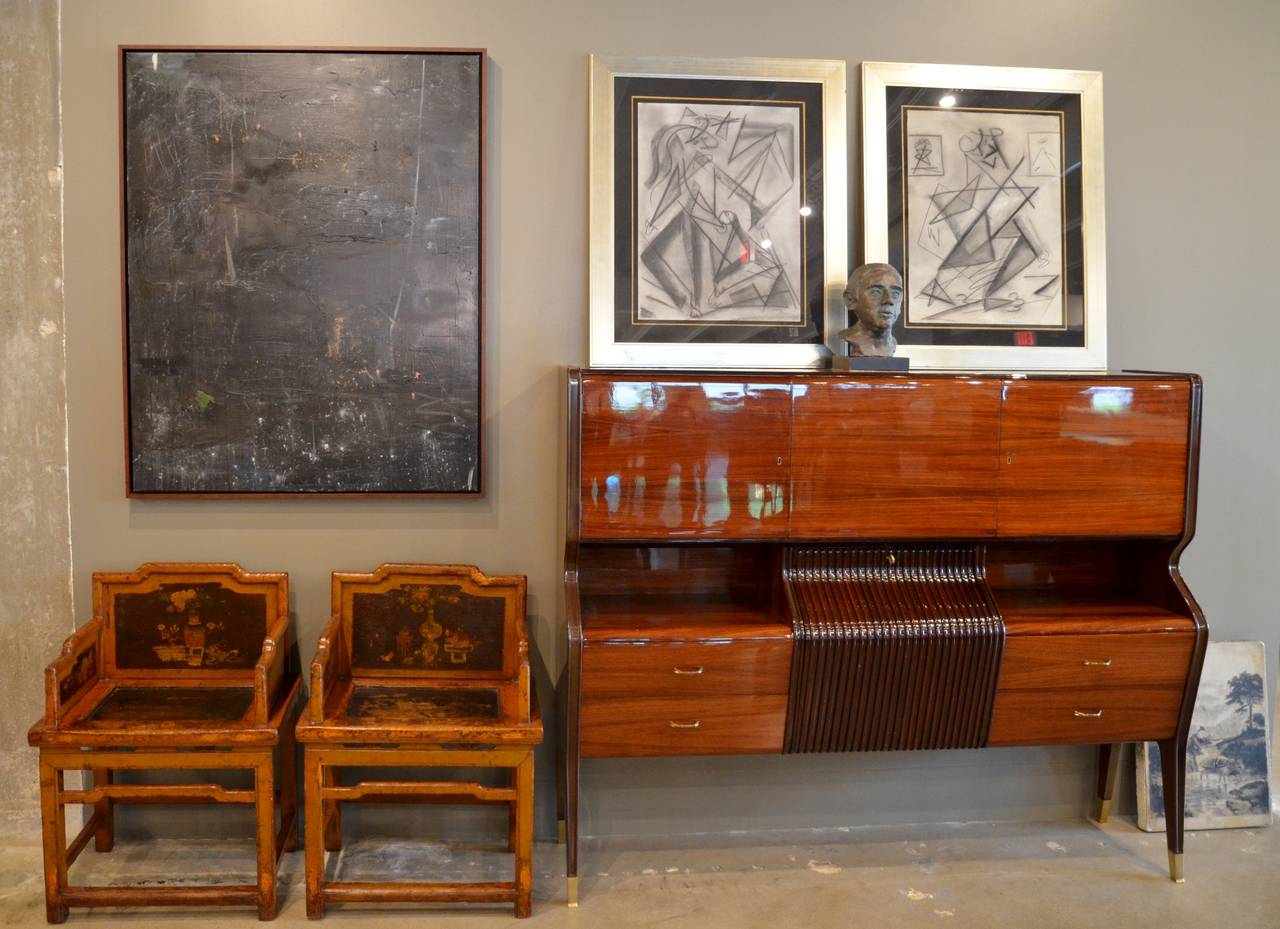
(302, 271)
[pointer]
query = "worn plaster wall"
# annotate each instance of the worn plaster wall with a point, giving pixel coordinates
(35, 544)
(1191, 139)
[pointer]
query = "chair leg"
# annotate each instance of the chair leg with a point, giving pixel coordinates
(54, 827)
(313, 836)
(524, 836)
(289, 785)
(511, 817)
(265, 814)
(105, 838)
(332, 813)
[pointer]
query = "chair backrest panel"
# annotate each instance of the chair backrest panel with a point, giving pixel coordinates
(437, 621)
(169, 620)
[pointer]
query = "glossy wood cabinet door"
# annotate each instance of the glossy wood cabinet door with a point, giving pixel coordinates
(894, 457)
(1081, 458)
(684, 458)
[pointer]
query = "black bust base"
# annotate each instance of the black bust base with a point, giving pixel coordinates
(869, 363)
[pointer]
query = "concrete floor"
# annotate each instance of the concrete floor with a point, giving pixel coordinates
(962, 876)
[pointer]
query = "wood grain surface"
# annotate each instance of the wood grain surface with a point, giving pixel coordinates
(705, 667)
(1049, 716)
(888, 458)
(725, 725)
(1089, 661)
(1085, 457)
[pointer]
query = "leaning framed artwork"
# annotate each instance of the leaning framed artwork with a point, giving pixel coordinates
(985, 187)
(1228, 750)
(717, 211)
(303, 270)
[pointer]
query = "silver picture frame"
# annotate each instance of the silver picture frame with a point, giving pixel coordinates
(710, 337)
(1052, 315)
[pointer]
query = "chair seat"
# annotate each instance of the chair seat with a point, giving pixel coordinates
(138, 714)
(410, 710)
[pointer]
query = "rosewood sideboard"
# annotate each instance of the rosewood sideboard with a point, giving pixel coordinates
(820, 561)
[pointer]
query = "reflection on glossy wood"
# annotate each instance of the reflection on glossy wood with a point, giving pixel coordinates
(671, 618)
(735, 577)
(1093, 457)
(684, 458)
(894, 457)
(1055, 612)
(726, 725)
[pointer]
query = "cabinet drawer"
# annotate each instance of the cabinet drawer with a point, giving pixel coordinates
(1085, 661)
(1101, 714)
(686, 669)
(635, 726)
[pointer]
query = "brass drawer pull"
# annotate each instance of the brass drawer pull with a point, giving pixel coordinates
(697, 670)
(1094, 663)
(1087, 714)
(697, 723)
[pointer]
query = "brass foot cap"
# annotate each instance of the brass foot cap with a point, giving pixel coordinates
(561, 831)
(573, 891)
(1175, 868)
(1101, 810)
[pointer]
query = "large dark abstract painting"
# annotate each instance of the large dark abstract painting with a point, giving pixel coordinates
(303, 271)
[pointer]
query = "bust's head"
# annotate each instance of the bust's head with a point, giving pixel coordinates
(874, 296)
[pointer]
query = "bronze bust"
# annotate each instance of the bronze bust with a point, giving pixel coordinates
(874, 297)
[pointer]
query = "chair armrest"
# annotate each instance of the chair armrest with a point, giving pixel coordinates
(524, 683)
(76, 669)
(535, 709)
(325, 666)
(268, 673)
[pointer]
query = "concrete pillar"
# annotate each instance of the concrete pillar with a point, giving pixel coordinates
(35, 539)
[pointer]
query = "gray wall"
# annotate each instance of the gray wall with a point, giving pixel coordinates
(1192, 140)
(35, 542)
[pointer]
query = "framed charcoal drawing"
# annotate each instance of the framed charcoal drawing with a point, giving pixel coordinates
(1228, 750)
(985, 187)
(303, 265)
(717, 211)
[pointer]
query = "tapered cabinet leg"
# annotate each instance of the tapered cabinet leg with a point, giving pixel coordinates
(569, 768)
(332, 813)
(53, 825)
(104, 839)
(1173, 772)
(524, 836)
(313, 835)
(265, 815)
(561, 687)
(1108, 769)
